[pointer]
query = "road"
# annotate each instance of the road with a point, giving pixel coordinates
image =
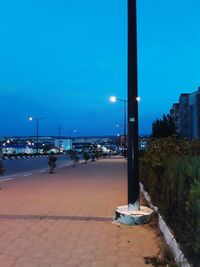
(24, 167)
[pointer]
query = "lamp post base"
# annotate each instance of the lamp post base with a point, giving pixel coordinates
(126, 216)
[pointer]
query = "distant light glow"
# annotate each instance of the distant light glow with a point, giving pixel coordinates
(113, 99)
(138, 99)
(30, 119)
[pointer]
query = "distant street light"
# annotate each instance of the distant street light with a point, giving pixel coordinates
(119, 125)
(37, 130)
(114, 99)
(70, 135)
(59, 134)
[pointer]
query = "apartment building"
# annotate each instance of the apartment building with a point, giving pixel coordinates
(186, 115)
(194, 113)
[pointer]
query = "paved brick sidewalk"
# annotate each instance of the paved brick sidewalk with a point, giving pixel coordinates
(65, 219)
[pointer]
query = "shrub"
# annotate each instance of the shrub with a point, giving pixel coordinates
(170, 171)
(86, 156)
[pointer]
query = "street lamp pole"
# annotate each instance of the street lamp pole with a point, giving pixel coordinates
(133, 153)
(125, 108)
(128, 214)
(114, 99)
(59, 137)
(70, 135)
(125, 122)
(37, 130)
(37, 134)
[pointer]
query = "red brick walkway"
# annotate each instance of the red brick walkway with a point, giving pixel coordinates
(65, 219)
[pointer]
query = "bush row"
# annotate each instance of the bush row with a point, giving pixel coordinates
(170, 172)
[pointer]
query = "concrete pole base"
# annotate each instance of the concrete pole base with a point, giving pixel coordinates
(124, 215)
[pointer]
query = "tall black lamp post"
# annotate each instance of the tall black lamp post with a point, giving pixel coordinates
(133, 213)
(133, 159)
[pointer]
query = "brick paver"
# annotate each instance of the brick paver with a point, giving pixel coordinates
(65, 220)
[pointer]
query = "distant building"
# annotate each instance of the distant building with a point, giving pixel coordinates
(184, 115)
(63, 144)
(194, 112)
(18, 149)
(93, 140)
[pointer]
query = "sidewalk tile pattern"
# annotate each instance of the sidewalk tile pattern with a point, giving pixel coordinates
(65, 220)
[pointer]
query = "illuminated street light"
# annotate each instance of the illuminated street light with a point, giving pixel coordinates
(113, 99)
(71, 132)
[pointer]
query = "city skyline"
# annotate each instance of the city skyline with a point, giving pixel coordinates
(64, 60)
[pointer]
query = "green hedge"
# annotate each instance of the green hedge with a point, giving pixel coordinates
(170, 172)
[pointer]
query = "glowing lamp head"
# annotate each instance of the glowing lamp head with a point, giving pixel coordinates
(138, 99)
(113, 99)
(30, 119)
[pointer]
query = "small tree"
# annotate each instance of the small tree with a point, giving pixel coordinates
(86, 156)
(163, 127)
(1, 166)
(93, 155)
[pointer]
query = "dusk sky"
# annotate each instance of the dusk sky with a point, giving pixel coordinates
(63, 59)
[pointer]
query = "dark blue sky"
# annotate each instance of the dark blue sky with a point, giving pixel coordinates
(63, 59)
